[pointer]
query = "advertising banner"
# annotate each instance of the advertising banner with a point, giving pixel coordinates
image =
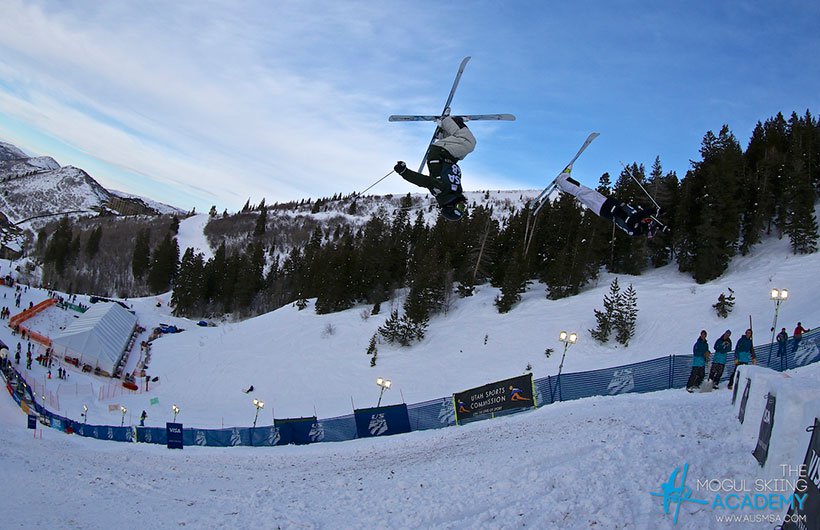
(742, 414)
(503, 395)
(806, 514)
(173, 433)
(382, 421)
(761, 451)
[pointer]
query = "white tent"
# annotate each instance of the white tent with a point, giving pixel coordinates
(99, 337)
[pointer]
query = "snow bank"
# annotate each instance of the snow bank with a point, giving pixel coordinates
(797, 404)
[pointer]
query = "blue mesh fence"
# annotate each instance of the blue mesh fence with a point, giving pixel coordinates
(646, 376)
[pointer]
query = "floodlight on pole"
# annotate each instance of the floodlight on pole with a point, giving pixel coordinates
(175, 410)
(123, 410)
(385, 385)
(85, 414)
(568, 339)
(778, 296)
(259, 406)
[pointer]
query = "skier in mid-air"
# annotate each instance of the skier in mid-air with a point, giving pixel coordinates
(633, 221)
(444, 182)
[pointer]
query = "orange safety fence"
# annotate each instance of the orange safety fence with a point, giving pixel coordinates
(36, 337)
(31, 311)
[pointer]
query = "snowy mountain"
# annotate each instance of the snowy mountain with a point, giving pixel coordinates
(38, 187)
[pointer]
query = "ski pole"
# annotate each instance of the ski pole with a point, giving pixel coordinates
(359, 194)
(658, 206)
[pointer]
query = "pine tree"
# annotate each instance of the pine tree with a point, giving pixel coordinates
(164, 262)
(800, 221)
(261, 222)
(189, 284)
(725, 304)
(606, 318)
(626, 316)
(513, 286)
(92, 246)
(59, 248)
(142, 254)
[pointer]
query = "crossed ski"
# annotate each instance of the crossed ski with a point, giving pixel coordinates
(446, 112)
(542, 197)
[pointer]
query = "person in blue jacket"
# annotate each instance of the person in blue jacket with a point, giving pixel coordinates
(722, 346)
(700, 351)
(744, 353)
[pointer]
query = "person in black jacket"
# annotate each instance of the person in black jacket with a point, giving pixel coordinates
(444, 181)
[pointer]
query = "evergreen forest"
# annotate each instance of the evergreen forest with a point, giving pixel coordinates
(727, 202)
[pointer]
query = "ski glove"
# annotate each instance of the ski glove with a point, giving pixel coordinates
(399, 167)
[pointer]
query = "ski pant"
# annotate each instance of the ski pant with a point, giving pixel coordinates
(716, 372)
(732, 377)
(590, 198)
(442, 166)
(696, 377)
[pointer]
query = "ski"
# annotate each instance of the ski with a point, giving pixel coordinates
(542, 197)
(568, 169)
(446, 111)
(465, 117)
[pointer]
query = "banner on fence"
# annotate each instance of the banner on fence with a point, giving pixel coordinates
(735, 385)
(32, 421)
(173, 433)
(382, 421)
(298, 431)
(742, 414)
(807, 513)
(494, 397)
(761, 451)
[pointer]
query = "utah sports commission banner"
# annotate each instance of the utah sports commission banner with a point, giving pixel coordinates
(495, 397)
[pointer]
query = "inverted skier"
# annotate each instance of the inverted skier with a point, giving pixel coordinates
(633, 221)
(444, 182)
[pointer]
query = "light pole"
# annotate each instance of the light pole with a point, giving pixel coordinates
(259, 406)
(123, 410)
(568, 339)
(385, 385)
(778, 295)
(85, 414)
(175, 410)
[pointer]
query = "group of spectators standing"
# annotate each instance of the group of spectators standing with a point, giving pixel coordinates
(744, 354)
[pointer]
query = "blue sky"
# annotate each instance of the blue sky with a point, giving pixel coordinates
(214, 102)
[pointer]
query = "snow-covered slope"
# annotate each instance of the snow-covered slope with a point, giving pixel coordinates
(591, 463)
(302, 363)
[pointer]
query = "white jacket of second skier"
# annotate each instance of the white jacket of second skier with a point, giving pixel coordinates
(459, 141)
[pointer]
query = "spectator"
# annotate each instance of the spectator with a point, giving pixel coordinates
(722, 346)
(798, 335)
(782, 340)
(744, 354)
(700, 351)
(143, 416)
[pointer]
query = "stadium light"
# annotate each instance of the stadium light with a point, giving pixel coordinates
(259, 406)
(123, 410)
(385, 385)
(568, 339)
(175, 410)
(778, 296)
(84, 415)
